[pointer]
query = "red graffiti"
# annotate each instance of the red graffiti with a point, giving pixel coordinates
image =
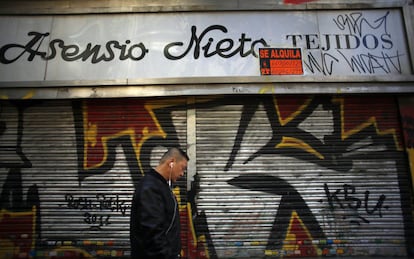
(104, 120)
(407, 119)
(194, 246)
(298, 238)
(358, 113)
(17, 233)
(290, 107)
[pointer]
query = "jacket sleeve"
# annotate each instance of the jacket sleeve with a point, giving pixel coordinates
(153, 218)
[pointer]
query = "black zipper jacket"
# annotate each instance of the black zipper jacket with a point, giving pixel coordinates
(155, 220)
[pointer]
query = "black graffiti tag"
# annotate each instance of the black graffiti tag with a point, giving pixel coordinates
(354, 23)
(96, 208)
(346, 199)
(365, 45)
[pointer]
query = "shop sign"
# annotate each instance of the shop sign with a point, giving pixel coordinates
(220, 44)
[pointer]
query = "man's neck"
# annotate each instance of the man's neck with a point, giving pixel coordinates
(164, 173)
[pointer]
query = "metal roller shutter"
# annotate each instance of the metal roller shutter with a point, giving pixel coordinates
(275, 175)
(68, 170)
(301, 176)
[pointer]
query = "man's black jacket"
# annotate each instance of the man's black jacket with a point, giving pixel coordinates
(155, 220)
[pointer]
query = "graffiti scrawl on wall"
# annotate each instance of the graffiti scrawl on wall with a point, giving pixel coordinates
(295, 128)
(275, 175)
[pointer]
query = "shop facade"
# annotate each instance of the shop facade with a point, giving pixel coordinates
(296, 116)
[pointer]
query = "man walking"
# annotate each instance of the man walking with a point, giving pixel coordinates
(155, 219)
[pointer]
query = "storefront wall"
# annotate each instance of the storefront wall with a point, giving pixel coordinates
(301, 175)
(280, 165)
(274, 175)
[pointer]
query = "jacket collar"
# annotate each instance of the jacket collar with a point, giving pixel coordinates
(157, 175)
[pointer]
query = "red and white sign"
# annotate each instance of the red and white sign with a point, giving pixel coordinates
(280, 61)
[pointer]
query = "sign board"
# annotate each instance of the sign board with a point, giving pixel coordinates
(218, 44)
(278, 61)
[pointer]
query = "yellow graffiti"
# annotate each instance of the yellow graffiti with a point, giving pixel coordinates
(201, 238)
(91, 131)
(29, 95)
(267, 89)
(291, 142)
(194, 242)
(284, 121)
(410, 152)
(291, 242)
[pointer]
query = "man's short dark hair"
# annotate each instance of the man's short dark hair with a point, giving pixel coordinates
(175, 152)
